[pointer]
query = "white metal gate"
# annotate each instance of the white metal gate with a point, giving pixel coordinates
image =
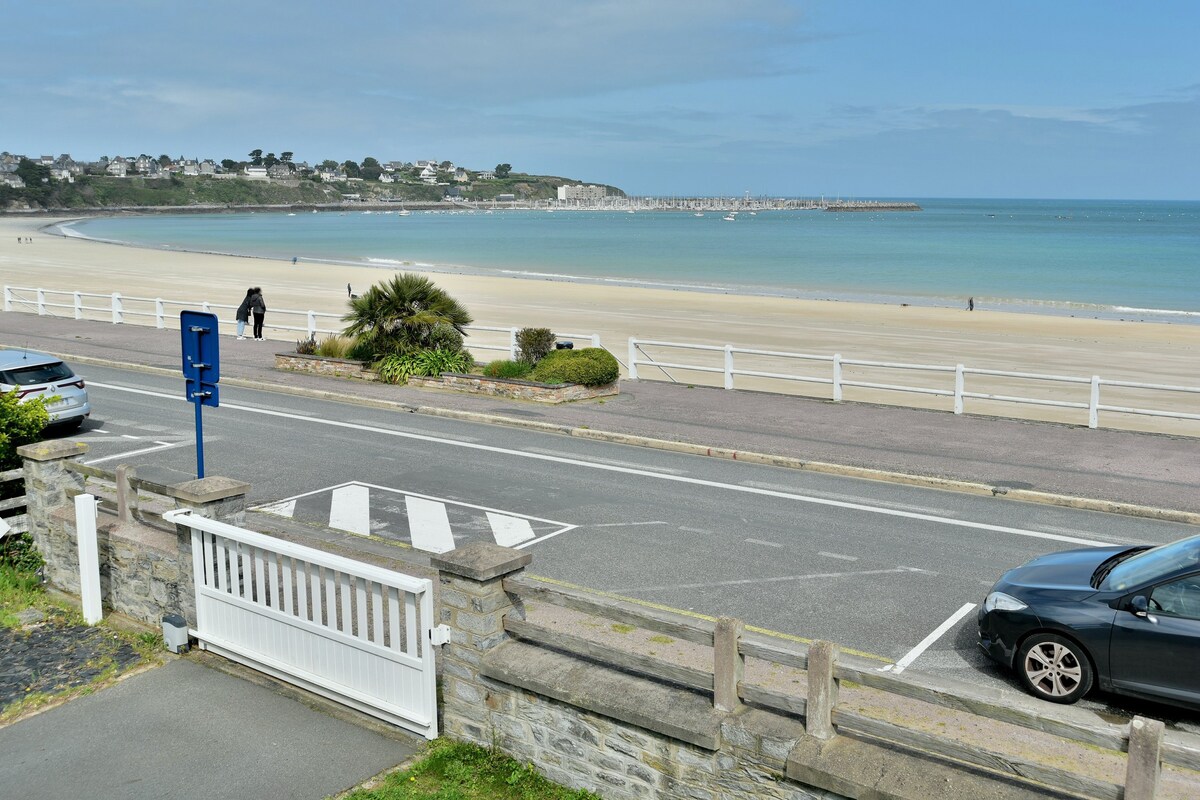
(353, 632)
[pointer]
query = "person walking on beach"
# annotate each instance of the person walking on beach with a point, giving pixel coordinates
(259, 309)
(243, 314)
(970, 304)
(348, 292)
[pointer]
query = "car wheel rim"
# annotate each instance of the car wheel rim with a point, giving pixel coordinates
(1053, 669)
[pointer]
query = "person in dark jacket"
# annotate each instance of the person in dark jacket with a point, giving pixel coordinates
(259, 309)
(243, 314)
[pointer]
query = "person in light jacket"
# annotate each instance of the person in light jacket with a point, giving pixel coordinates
(243, 314)
(259, 309)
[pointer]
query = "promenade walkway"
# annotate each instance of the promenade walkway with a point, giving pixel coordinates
(973, 453)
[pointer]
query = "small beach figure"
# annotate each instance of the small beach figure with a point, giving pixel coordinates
(259, 309)
(242, 315)
(293, 261)
(970, 304)
(348, 292)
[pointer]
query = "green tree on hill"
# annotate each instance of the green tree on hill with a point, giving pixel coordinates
(256, 158)
(371, 169)
(503, 170)
(350, 168)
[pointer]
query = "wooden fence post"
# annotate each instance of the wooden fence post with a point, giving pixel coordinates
(1144, 763)
(728, 663)
(822, 690)
(126, 494)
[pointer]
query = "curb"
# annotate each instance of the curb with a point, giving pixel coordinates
(766, 459)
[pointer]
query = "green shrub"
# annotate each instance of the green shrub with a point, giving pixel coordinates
(17, 551)
(445, 337)
(335, 347)
(306, 347)
(435, 362)
(591, 366)
(396, 368)
(20, 423)
(504, 368)
(399, 368)
(534, 343)
(361, 350)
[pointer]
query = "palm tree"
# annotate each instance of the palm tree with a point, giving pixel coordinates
(397, 316)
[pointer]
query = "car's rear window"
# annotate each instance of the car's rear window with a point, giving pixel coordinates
(42, 373)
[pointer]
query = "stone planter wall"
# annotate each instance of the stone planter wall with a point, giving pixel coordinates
(320, 365)
(516, 389)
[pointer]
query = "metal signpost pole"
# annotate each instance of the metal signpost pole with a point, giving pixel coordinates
(201, 368)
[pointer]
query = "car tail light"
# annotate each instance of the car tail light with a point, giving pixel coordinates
(77, 384)
(26, 392)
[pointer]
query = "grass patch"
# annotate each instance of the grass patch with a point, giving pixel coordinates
(454, 770)
(20, 590)
(621, 627)
(662, 639)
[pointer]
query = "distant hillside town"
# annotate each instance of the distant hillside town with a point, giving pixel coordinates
(60, 181)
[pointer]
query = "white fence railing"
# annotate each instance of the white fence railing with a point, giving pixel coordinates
(165, 314)
(352, 631)
(837, 380)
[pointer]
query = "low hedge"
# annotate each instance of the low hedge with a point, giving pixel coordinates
(591, 366)
(507, 369)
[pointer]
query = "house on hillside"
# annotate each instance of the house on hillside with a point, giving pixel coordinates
(428, 174)
(207, 167)
(280, 170)
(46, 161)
(257, 173)
(65, 162)
(117, 167)
(461, 175)
(11, 179)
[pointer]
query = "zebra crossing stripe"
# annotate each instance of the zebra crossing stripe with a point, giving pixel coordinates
(350, 509)
(284, 508)
(509, 531)
(428, 525)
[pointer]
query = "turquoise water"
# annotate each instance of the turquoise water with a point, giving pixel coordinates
(1133, 260)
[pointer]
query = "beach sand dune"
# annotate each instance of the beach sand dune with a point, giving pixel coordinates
(1128, 351)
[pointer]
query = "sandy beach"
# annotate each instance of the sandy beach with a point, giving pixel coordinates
(1115, 350)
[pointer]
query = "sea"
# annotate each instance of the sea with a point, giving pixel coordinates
(1133, 260)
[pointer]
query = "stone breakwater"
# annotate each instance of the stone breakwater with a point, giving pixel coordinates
(871, 205)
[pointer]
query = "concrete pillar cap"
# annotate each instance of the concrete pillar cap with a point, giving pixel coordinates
(481, 561)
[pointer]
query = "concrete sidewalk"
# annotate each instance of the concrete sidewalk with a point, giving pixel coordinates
(1151, 473)
(187, 730)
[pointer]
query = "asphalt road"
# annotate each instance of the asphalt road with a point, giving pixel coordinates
(876, 567)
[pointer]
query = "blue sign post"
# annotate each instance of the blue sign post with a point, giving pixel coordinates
(201, 368)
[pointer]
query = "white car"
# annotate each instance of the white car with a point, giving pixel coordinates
(34, 375)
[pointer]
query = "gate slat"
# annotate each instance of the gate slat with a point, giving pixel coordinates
(377, 596)
(222, 580)
(394, 619)
(410, 619)
(289, 600)
(360, 590)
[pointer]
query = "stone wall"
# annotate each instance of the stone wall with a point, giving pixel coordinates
(145, 569)
(516, 389)
(320, 365)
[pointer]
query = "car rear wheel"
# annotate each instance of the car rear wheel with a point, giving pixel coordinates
(1054, 668)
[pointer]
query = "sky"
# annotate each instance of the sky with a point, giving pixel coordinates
(795, 98)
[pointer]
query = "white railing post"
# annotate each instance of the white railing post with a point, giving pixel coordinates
(160, 317)
(41, 302)
(7, 298)
(512, 343)
(206, 308)
(632, 359)
(1094, 403)
(595, 340)
(728, 366)
(312, 324)
(958, 388)
(837, 377)
(89, 558)
(118, 309)
(78, 298)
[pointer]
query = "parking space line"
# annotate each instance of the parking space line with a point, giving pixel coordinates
(763, 543)
(141, 452)
(915, 653)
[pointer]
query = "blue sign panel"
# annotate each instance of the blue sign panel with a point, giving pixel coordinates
(201, 368)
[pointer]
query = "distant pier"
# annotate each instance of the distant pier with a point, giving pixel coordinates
(726, 205)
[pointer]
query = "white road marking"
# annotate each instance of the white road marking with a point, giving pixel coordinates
(626, 524)
(839, 555)
(350, 509)
(914, 654)
(781, 578)
(285, 508)
(851, 506)
(141, 452)
(610, 461)
(129, 436)
(694, 530)
(509, 531)
(428, 525)
(764, 544)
